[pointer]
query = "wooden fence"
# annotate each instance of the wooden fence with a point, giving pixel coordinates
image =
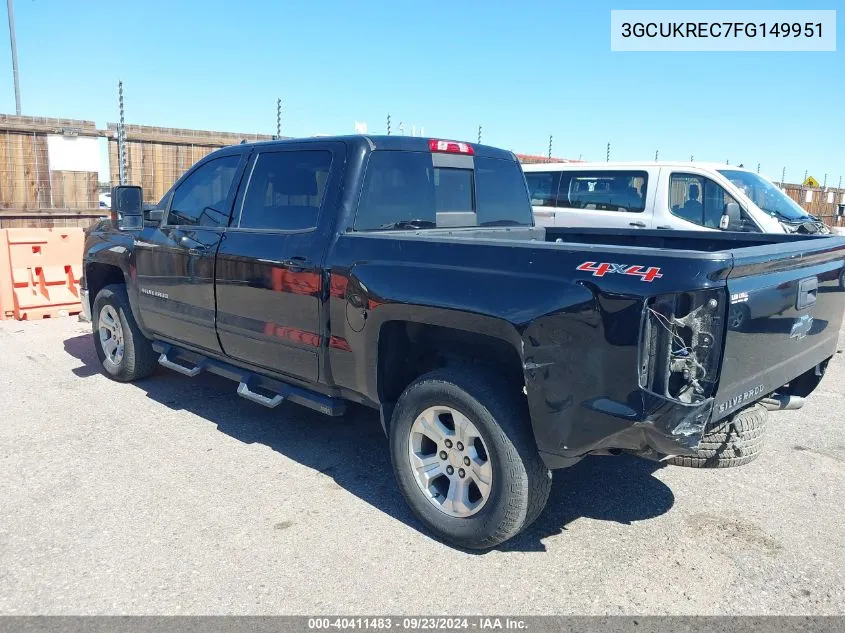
(827, 204)
(156, 156)
(34, 183)
(49, 168)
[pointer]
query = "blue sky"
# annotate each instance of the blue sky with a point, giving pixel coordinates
(523, 70)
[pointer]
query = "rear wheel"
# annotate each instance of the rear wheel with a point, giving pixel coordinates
(465, 458)
(124, 352)
(731, 442)
(738, 316)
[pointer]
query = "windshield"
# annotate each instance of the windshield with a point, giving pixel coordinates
(766, 195)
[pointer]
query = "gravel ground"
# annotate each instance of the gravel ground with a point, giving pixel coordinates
(173, 495)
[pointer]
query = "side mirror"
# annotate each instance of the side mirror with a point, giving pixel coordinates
(731, 218)
(127, 207)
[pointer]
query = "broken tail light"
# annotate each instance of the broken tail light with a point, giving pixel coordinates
(681, 344)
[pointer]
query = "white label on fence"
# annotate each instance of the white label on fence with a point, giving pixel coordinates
(73, 153)
(842, 199)
(830, 197)
(808, 195)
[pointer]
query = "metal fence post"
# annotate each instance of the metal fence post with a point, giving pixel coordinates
(121, 136)
(278, 118)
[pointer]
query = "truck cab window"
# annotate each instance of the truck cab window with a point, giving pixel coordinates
(500, 193)
(201, 199)
(286, 190)
(403, 190)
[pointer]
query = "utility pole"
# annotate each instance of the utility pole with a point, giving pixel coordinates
(550, 147)
(656, 154)
(691, 158)
(388, 124)
(11, 9)
(783, 177)
(758, 168)
(608, 152)
(479, 135)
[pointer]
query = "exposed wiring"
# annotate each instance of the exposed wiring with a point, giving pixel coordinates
(667, 325)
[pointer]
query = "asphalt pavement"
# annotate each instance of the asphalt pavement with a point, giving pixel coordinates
(174, 496)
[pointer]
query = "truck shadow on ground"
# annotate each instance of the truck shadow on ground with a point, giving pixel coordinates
(352, 452)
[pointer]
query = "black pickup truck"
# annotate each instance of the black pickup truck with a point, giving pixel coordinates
(407, 274)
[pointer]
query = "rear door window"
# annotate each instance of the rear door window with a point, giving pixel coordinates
(603, 190)
(404, 190)
(286, 190)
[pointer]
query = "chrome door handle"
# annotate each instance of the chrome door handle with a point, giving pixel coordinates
(640, 225)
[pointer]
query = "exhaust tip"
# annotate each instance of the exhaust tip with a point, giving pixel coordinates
(782, 402)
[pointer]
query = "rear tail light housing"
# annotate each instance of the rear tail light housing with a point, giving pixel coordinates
(450, 147)
(681, 342)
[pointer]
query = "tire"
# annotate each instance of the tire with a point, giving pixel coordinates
(138, 359)
(738, 316)
(520, 482)
(734, 441)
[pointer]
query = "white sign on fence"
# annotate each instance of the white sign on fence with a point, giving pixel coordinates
(73, 153)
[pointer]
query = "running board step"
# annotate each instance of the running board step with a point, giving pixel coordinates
(252, 386)
(190, 372)
(245, 392)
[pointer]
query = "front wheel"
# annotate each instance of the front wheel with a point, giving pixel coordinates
(465, 458)
(124, 352)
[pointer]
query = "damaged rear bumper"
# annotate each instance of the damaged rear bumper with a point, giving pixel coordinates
(646, 424)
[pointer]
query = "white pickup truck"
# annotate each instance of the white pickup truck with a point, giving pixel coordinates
(663, 195)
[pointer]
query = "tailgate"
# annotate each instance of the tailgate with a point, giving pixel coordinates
(784, 317)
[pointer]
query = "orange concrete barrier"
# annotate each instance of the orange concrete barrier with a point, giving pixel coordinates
(39, 272)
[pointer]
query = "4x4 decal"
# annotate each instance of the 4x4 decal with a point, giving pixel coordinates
(600, 270)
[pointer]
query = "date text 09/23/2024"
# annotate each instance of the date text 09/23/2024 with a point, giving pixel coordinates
(422, 623)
